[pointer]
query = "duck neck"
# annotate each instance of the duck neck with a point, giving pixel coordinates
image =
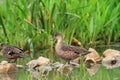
(2, 47)
(59, 43)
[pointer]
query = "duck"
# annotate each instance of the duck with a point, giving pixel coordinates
(67, 52)
(11, 52)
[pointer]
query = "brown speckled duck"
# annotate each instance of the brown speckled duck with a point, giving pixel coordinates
(11, 52)
(67, 52)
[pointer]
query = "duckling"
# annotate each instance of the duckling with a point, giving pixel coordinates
(6, 67)
(68, 52)
(111, 58)
(11, 52)
(37, 63)
(92, 58)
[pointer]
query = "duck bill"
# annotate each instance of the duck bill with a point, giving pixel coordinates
(85, 53)
(52, 39)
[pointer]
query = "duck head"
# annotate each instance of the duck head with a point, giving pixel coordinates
(2, 45)
(58, 37)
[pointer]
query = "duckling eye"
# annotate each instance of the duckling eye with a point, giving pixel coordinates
(113, 62)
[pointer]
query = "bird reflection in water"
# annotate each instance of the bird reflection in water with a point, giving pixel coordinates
(8, 76)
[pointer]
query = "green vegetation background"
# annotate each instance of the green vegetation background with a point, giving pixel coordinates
(30, 24)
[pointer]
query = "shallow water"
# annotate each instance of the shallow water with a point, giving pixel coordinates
(10, 76)
(77, 74)
(102, 74)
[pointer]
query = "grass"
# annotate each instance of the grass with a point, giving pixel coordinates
(30, 24)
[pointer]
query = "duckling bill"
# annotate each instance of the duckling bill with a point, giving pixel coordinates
(67, 52)
(11, 52)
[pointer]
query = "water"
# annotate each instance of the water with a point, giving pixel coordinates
(77, 74)
(10, 76)
(24, 75)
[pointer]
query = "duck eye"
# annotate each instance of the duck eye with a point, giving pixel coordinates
(20, 52)
(2, 45)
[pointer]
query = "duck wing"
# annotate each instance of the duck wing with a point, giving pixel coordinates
(13, 51)
(17, 48)
(75, 49)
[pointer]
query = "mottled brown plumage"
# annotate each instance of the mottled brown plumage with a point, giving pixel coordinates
(67, 52)
(11, 52)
